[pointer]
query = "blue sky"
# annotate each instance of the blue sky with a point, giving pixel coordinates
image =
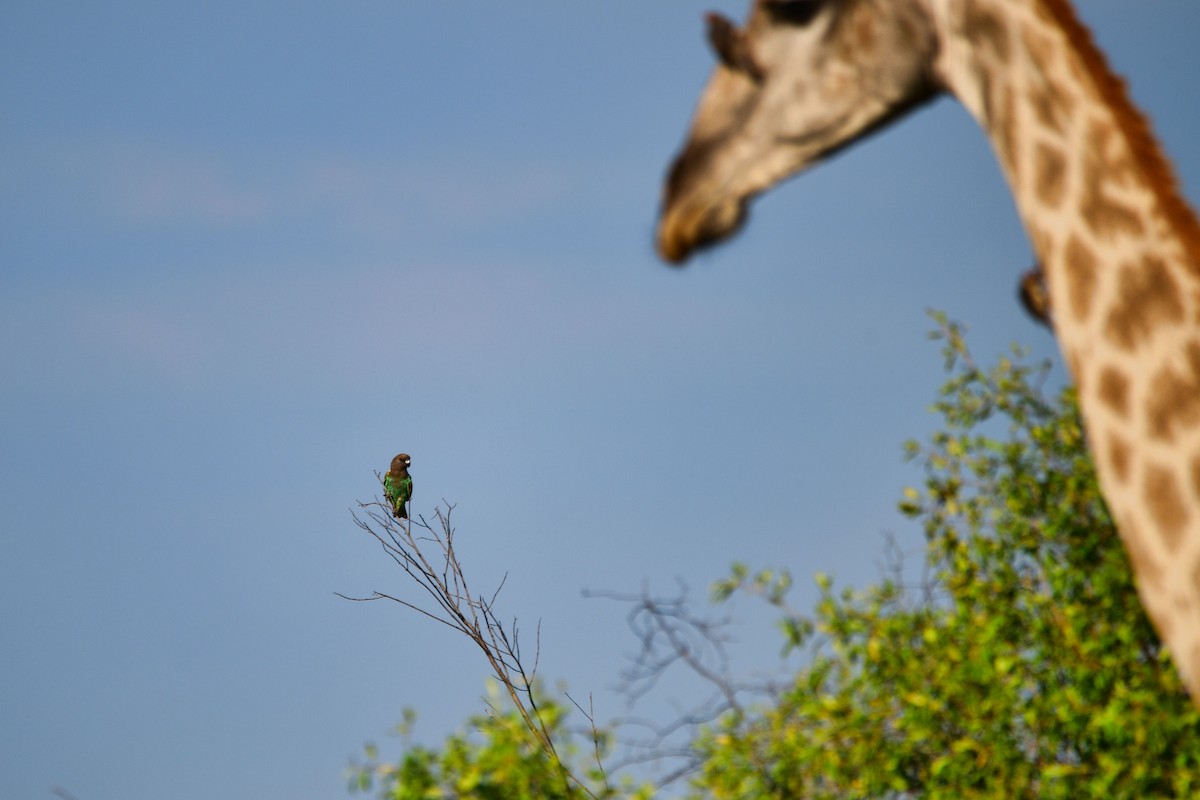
(248, 253)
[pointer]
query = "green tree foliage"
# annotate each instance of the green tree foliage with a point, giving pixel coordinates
(499, 759)
(1021, 666)
(1018, 664)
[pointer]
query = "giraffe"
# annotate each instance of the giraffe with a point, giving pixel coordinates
(1118, 244)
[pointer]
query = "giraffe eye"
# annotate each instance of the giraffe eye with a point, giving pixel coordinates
(794, 12)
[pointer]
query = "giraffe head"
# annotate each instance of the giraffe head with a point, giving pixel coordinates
(802, 79)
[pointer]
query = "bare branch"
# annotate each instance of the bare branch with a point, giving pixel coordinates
(430, 559)
(671, 635)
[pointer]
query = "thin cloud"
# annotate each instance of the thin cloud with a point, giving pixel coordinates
(155, 185)
(323, 324)
(138, 185)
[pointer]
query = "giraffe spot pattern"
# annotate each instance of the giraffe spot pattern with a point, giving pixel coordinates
(1114, 391)
(1149, 297)
(1107, 148)
(998, 111)
(1196, 578)
(1118, 458)
(864, 33)
(1105, 217)
(862, 38)
(1050, 171)
(986, 31)
(1196, 477)
(1052, 105)
(1174, 402)
(1080, 262)
(1166, 505)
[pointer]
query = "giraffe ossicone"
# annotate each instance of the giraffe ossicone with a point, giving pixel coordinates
(1118, 244)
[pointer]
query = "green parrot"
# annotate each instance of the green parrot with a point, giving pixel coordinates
(397, 485)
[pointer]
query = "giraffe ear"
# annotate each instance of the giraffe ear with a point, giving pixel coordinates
(732, 47)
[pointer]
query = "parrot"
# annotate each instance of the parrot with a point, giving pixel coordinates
(397, 486)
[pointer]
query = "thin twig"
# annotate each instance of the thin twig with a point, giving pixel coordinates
(430, 558)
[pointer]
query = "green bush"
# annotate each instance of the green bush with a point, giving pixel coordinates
(1018, 665)
(1021, 666)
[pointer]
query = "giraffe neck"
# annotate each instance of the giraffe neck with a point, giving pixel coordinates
(1121, 253)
